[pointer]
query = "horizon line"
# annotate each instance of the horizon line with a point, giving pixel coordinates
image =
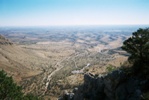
(75, 25)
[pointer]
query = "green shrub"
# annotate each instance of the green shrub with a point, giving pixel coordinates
(110, 68)
(10, 91)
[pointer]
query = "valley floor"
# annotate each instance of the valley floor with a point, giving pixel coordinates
(48, 64)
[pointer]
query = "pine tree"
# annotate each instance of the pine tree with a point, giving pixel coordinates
(138, 47)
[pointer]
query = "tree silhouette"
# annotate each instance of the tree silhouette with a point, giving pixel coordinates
(138, 47)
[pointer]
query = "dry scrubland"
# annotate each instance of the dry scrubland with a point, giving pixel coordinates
(42, 60)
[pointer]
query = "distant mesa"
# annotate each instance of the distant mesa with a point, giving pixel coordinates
(4, 41)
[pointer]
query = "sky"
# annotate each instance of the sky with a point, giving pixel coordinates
(73, 12)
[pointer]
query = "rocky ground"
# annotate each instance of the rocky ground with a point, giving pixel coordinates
(116, 85)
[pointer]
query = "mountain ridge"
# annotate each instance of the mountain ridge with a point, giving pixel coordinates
(14, 60)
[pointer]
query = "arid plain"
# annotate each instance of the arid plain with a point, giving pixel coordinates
(46, 61)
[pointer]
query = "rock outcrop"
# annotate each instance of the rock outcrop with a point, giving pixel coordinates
(113, 86)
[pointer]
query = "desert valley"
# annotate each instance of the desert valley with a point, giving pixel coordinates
(46, 61)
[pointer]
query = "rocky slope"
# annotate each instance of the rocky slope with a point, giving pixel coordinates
(113, 86)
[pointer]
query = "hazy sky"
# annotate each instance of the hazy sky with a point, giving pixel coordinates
(73, 12)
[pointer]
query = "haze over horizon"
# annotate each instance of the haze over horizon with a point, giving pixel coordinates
(73, 12)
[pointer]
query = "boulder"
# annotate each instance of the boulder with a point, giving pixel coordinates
(111, 82)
